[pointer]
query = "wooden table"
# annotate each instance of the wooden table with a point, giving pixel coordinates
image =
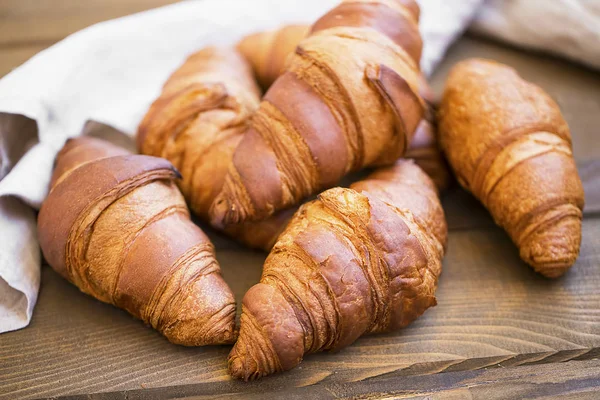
(499, 331)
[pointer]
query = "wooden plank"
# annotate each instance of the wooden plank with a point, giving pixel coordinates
(24, 21)
(590, 176)
(492, 310)
(575, 88)
(570, 380)
(29, 26)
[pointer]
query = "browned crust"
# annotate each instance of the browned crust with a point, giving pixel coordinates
(508, 143)
(354, 261)
(69, 201)
(116, 226)
(267, 51)
(377, 115)
(307, 113)
(390, 22)
(398, 95)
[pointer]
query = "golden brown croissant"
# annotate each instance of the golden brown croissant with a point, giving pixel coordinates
(197, 122)
(268, 51)
(116, 226)
(348, 99)
(509, 145)
(424, 151)
(199, 119)
(353, 262)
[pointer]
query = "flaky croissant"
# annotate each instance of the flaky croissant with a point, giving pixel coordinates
(353, 262)
(199, 119)
(348, 99)
(510, 146)
(197, 122)
(267, 52)
(115, 225)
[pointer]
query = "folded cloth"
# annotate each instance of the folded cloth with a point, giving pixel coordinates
(19, 251)
(19, 285)
(442, 22)
(568, 28)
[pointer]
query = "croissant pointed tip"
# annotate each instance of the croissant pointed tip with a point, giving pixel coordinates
(185, 333)
(226, 336)
(553, 270)
(556, 264)
(553, 251)
(205, 317)
(220, 213)
(236, 368)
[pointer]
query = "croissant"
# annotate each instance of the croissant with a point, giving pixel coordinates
(348, 99)
(424, 151)
(509, 145)
(197, 122)
(355, 261)
(199, 119)
(116, 226)
(267, 51)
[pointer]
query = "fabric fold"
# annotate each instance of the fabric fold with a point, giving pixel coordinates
(567, 28)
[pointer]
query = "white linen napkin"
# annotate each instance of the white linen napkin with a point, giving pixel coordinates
(568, 28)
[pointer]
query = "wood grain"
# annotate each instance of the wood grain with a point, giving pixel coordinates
(499, 331)
(570, 380)
(23, 21)
(493, 310)
(29, 26)
(590, 176)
